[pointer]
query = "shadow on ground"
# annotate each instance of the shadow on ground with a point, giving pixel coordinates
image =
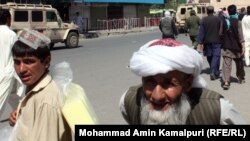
(64, 47)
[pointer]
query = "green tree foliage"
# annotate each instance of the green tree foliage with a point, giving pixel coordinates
(170, 4)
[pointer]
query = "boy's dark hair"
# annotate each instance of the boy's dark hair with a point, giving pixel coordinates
(20, 50)
(4, 15)
(232, 9)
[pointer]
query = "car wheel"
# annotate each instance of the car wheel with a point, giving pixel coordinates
(72, 40)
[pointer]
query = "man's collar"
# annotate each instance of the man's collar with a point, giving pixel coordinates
(42, 83)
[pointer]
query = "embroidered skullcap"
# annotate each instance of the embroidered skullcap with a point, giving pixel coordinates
(162, 56)
(33, 38)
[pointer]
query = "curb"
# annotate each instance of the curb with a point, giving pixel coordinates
(100, 33)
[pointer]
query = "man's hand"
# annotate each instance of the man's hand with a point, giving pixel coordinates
(242, 48)
(12, 118)
(200, 47)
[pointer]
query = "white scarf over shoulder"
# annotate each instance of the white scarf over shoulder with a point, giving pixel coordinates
(246, 29)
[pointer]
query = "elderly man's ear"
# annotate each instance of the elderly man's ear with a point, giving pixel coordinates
(188, 84)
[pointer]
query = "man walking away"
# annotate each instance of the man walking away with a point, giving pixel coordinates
(209, 37)
(242, 13)
(232, 48)
(167, 26)
(192, 27)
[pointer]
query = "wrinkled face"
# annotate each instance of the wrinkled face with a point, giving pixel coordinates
(30, 69)
(163, 90)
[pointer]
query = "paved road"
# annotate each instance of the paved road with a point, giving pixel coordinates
(99, 65)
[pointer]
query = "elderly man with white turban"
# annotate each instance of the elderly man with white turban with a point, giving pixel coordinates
(172, 90)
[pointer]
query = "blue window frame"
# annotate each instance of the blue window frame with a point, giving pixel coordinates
(127, 1)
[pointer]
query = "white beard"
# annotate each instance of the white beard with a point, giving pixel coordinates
(176, 114)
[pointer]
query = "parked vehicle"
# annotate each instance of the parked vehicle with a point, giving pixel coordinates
(45, 19)
(183, 12)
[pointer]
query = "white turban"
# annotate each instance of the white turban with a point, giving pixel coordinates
(167, 14)
(162, 56)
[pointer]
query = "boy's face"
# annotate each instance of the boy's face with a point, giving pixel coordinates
(30, 69)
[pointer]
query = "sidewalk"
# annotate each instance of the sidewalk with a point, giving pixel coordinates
(100, 33)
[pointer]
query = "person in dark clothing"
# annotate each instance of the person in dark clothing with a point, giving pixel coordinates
(192, 27)
(232, 48)
(173, 91)
(167, 26)
(222, 15)
(242, 13)
(209, 38)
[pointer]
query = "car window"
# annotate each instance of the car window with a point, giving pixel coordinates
(51, 16)
(37, 16)
(21, 16)
(203, 10)
(198, 10)
(183, 11)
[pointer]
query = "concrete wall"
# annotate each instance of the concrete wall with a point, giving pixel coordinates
(142, 12)
(94, 12)
(129, 11)
(98, 12)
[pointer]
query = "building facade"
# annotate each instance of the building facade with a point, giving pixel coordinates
(223, 3)
(94, 10)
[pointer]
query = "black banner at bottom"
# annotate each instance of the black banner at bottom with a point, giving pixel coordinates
(239, 132)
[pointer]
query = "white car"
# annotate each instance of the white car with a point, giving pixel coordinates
(45, 19)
